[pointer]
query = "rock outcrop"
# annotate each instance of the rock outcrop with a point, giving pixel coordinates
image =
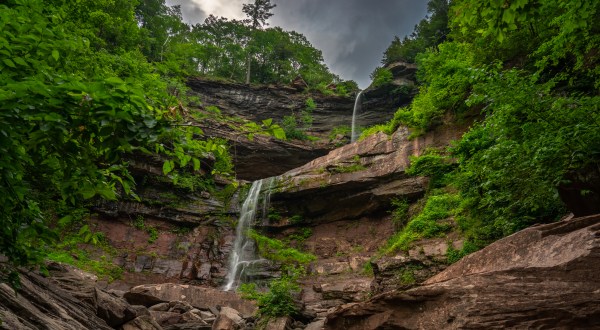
(68, 299)
(359, 178)
(257, 103)
(542, 277)
(263, 156)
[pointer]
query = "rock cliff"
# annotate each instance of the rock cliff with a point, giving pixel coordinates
(541, 277)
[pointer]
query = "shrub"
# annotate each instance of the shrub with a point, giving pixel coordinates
(381, 76)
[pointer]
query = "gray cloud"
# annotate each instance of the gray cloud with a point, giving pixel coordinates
(352, 34)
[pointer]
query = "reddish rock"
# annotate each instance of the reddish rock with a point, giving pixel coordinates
(199, 297)
(359, 178)
(542, 277)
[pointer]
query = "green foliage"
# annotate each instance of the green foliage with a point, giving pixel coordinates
(381, 76)
(446, 76)
(295, 125)
(455, 255)
(276, 250)
(429, 223)
(511, 164)
(430, 32)
(344, 130)
(278, 300)
(432, 165)
(400, 212)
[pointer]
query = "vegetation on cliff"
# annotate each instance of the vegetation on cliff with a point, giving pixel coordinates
(528, 73)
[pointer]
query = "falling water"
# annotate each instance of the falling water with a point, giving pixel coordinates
(243, 253)
(267, 200)
(357, 106)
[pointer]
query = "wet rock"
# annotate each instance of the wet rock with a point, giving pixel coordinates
(166, 318)
(541, 277)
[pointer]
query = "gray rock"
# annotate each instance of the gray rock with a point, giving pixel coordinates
(142, 323)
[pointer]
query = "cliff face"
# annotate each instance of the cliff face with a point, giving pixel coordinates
(542, 277)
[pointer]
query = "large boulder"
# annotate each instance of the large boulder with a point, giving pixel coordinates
(542, 277)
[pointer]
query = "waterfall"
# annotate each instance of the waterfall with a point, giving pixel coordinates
(357, 106)
(267, 200)
(243, 253)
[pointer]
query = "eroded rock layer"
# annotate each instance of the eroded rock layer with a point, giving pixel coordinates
(541, 277)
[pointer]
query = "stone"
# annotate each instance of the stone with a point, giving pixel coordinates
(228, 319)
(279, 323)
(316, 325)
(199, 297)
(142, 323)
(43, 303)
(207, 315)
(179, 307)
(544, 276)
(348, 290)
(166, 318)
(114, 310)
(161, 307)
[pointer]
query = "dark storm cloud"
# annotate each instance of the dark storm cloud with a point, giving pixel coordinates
(352, 34)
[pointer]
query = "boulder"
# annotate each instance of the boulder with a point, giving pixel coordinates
(541, 277)
(142, 323)
(279, 323)
(114, 310)
(228, 319)
(199, 297)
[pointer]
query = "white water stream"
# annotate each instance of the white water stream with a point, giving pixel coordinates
(355, 112)
(243, 253)
(243, 248)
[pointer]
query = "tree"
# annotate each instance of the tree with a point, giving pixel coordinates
(257, 13)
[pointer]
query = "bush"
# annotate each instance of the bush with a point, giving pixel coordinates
(381, 76)
(439, 206)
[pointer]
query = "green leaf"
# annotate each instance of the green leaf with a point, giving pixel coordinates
(20, 61)
(167, 167)
(196, 163)
(55, 54)
(267, 122)
(10, 63)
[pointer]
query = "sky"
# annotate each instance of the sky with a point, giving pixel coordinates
(352, 34)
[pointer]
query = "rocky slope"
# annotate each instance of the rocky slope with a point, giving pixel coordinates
(71, 299)
(542, 277)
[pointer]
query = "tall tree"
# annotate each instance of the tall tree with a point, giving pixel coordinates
(257, 13)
